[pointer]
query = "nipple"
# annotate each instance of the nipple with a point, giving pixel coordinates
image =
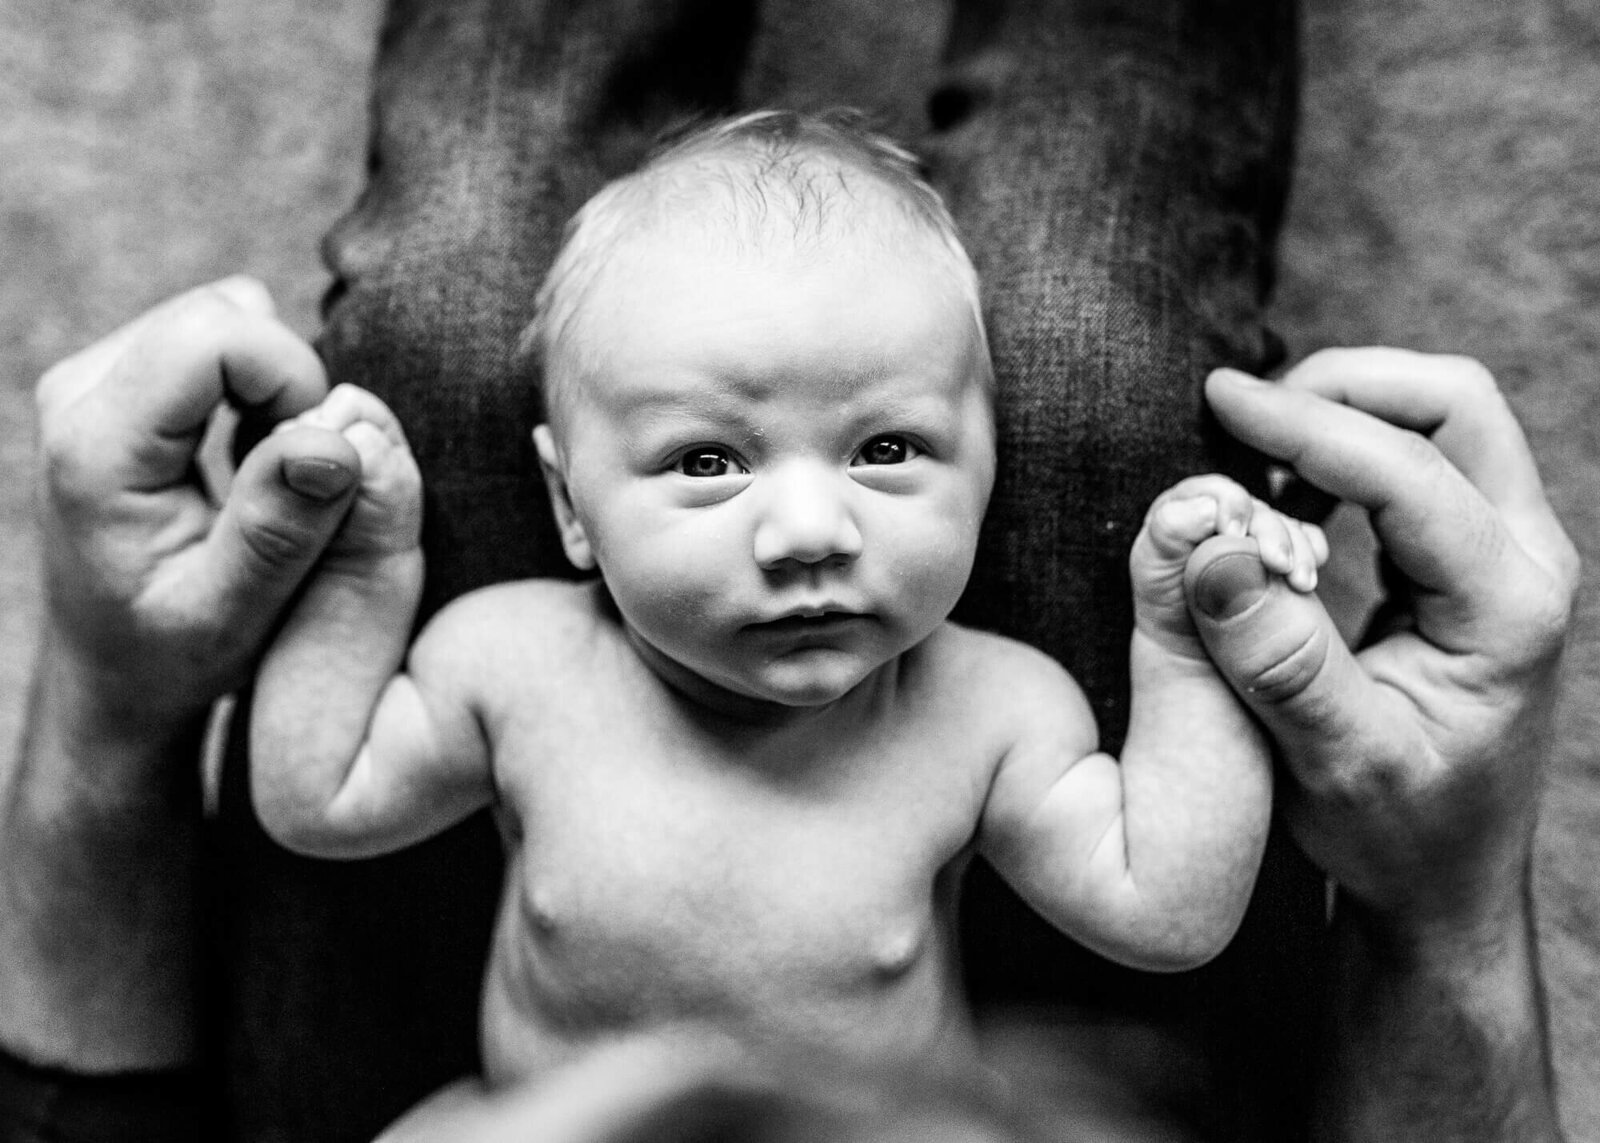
(897, 954)
(539, 914)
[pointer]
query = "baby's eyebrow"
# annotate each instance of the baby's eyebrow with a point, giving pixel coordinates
(662, 401)
(703, 393)
(656, 412)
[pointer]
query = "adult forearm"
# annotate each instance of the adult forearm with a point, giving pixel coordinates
(99, 817)
(1437, 1038)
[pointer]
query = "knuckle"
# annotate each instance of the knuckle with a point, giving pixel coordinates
(1166, 516)
(1324, 364)
(1567, 567)
(48, 391)
(275, 544)
(1284, 679)
(200, 323)
(240, 289)
(1472, 375)
(70, 479)
(1546, 620)
(1364, 785)
(1417, 450)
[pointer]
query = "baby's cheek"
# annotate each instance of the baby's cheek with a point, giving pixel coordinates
(935, 570)
(668, 596)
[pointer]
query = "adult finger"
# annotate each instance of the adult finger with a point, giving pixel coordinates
(1442, 534)
(287, 501)
(75, 375)
(213, 345)
(140, 398)
(1280, 651)
(84, 370)
(1455, 402)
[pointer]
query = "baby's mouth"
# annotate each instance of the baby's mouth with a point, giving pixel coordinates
(810, 622)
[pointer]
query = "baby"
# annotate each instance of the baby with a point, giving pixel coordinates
(739, 775)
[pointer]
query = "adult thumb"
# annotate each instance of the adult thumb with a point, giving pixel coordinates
(288, 498)
(1280, 651)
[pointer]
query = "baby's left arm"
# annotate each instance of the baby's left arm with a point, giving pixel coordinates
(1149, 860)
(357, 748)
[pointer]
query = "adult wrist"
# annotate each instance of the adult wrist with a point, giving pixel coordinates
(1482, 921)
(99, 828)
(1437, 1030)
(86, 709)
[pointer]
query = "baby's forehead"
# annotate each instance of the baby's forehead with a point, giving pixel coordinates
(805, 200)
(729, 204)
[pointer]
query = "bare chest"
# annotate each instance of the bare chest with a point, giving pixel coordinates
(659, 875)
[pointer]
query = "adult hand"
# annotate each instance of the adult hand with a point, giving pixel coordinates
(157, 597)
(1415, 762)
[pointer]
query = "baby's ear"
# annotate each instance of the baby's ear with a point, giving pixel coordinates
(574, 540)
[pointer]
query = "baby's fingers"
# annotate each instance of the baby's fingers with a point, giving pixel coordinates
(1291, 548)
(1194, 510)
(349, 405)
(387, 513)
(1310, 553)
(1272, 533)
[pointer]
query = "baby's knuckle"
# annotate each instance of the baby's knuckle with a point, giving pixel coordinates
(341, 396)
(1167, 515)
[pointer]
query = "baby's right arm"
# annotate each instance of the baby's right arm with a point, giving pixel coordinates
(350, 755)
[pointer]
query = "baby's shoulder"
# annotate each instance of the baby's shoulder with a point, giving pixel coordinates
(1003, 679)
(513, 626)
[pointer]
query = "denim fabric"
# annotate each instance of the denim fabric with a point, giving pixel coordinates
(1118, 171)
(47, 1105)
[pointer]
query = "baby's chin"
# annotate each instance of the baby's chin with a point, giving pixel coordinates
(800, 683)
(784, 692)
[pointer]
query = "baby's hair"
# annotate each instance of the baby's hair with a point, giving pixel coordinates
(742, 179)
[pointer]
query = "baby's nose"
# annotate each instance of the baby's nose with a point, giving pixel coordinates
(806, 519)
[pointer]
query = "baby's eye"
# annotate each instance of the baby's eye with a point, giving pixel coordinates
(890, 448)
(708, 460)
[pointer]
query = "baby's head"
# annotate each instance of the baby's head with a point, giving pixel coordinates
(768, 394)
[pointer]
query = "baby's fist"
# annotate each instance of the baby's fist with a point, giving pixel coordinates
(1190, 513)
(386, 516)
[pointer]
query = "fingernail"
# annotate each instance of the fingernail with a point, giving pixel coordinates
(1231, 585)
(1236, 375)
(317, 478)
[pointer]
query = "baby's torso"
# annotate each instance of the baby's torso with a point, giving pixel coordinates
(780, 890)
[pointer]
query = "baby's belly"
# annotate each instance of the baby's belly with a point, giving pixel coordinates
(848, 966)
